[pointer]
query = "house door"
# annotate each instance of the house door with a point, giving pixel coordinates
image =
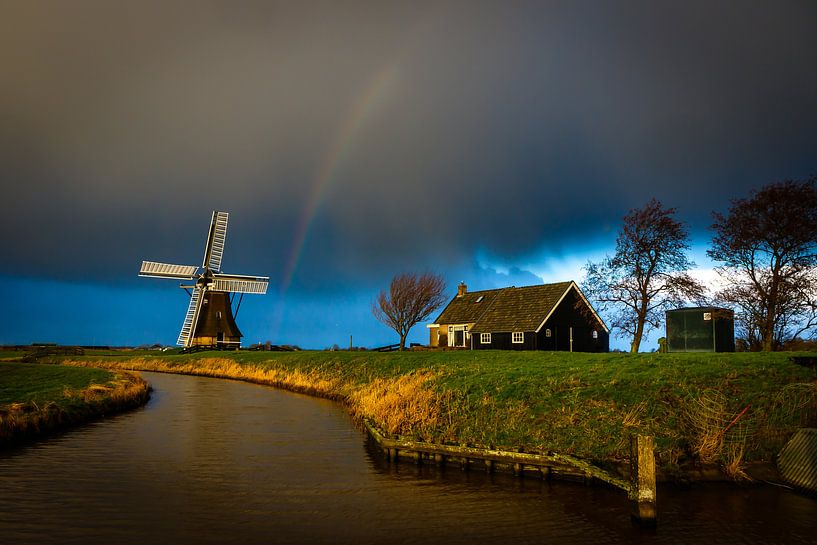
(457, 335)
(459, 338)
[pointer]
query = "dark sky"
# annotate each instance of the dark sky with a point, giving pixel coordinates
(496, 143)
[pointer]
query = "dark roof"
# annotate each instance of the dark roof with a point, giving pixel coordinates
(505, 309)
(464, 309)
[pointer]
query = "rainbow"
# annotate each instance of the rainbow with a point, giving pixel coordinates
(341, 146)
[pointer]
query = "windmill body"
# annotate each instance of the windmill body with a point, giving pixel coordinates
(209, 320)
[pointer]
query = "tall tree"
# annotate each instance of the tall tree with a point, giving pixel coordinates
(768, 246)
(410, 299)
(647, 274)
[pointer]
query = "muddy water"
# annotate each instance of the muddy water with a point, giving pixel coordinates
(213, 461)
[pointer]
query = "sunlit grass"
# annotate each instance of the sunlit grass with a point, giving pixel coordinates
(403, 405)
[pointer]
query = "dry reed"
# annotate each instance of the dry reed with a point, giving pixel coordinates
(312, 382)
(400, 405)
(733, 464)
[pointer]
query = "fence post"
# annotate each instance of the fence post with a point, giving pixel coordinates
(642, 477)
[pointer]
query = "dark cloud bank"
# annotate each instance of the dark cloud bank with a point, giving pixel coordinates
(520, 129)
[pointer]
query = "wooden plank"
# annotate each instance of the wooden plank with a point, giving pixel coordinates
(564, 464)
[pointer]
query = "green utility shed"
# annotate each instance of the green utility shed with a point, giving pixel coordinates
(700, 329)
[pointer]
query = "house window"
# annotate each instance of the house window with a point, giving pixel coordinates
(518, 337)
(485, 338)
(595, 334)
(547, 333)
(218, 315)
(479, 299)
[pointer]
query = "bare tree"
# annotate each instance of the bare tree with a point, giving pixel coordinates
(410, 299)
(647, 274)
(768, 246)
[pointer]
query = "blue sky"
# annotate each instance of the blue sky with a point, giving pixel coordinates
(493, 143)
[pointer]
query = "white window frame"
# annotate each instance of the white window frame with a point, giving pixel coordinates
(595, 334)
(548, 333)
(520, 335)
(484, 338)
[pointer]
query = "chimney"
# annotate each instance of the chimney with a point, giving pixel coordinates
(462, 289)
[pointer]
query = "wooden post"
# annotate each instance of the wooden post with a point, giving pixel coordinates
(642, 480)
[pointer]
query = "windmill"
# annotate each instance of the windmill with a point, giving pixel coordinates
(209, 320)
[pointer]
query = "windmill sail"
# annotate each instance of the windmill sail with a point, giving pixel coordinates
(215, 241)
(209, 321)
(166, 270)
(238, 283)
(191, 318)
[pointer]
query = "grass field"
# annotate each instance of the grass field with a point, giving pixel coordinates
(35, 398)
(711, 408)
(25, 382)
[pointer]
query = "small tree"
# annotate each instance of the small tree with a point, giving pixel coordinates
(768, 246)
(647, 274)
(410, 299)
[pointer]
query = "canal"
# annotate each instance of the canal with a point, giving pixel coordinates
(216, 461)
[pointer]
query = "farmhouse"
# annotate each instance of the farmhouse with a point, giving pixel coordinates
(544, 317)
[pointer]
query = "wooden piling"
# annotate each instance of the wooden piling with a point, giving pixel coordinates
(642, 475)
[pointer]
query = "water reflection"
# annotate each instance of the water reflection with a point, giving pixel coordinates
(212, 461)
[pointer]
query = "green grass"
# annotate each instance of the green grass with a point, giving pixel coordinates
(581, 404)
(26, 382)
(11, 354)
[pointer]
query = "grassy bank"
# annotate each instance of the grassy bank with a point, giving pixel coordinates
(726, 409)
(37, 398)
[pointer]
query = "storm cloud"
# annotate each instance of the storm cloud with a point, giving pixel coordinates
(385, 136)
